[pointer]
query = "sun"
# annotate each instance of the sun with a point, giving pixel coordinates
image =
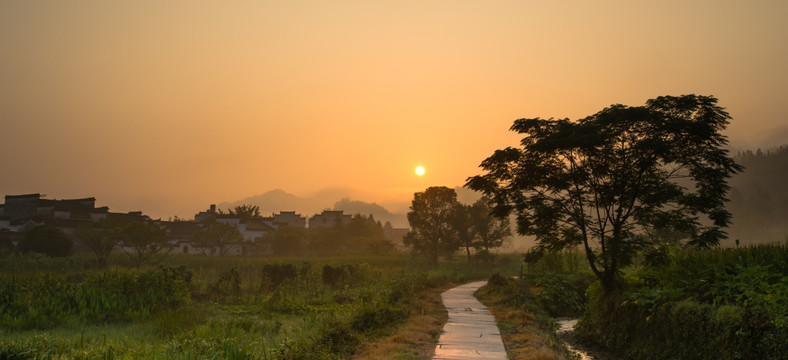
(419, 170)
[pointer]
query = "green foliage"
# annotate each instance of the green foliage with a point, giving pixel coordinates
(561, 279)
(245, 308)
(287, 240)
(43, 301)
(430, 218)
(275, 275)
(217, 235)
(228, 284)
(720, 303)
(143, 242)
(605, 180)
(45, 240)
(100, 238)
(562, 295)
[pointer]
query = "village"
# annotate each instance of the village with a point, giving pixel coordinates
(21, 213)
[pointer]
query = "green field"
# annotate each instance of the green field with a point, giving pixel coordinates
(193, 307)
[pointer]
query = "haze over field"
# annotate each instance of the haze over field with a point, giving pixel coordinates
(167, 107)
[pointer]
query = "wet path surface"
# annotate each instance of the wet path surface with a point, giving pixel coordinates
(470, 332)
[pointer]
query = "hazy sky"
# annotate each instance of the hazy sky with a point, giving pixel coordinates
(168, 106)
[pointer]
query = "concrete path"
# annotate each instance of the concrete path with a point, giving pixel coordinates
(471, 332)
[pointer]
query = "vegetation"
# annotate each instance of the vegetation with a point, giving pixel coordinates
(440, 225)
(216, 235)
(100, 238)
(430, 221)
(46, 240)
(206, 307)
(697, 304)
(143, 242)
(612, 181)
(528, 331)
(759, 198)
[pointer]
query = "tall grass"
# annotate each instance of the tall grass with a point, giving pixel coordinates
(311, 308)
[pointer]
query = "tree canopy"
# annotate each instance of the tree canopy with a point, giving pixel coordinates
(608, 181)
(47, 240)
(143, 242)
(100, 238)
(430, 217)
(217, 235)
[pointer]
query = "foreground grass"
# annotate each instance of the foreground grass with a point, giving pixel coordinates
(242, 308)
(416, 338)
(527, 331)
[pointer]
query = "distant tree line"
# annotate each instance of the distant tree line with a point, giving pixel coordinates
(361, 235)
(759, 197)
(141, 241)
(441, 226)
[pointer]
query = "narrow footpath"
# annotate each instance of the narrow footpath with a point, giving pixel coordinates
(471, 331)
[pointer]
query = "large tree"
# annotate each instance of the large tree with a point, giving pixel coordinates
(605, 180)
(430, 216)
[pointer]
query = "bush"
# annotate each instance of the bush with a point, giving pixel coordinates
(656, 325)
(46, 240)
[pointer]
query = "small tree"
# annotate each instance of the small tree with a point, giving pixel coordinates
(462, 223)
(490, 232)
(143, 242)
(100, 238)
(217, 235)
(245, 211)
(430, 216)
(46, 240)
(604, 180)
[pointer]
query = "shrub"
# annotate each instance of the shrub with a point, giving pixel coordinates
(275, 275)
(46, 240)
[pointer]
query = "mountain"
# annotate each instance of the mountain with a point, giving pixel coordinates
(379, 212)
(278, 200)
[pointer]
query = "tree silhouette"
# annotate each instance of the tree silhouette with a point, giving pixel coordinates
(432, 233)
(143, 242)
(100, 238)
(217, 235)
(602, 181)
(46, 240)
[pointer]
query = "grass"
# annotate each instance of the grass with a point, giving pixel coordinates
(527, 331)
(376, 307)
(417, 337)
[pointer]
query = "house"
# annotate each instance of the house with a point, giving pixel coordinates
(20, 213)
(329, 218)
(289, 218)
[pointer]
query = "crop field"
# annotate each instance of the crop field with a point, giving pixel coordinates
(193, 307)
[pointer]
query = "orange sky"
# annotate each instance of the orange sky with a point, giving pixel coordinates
(168, 106)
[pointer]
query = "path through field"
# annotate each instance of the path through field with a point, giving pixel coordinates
(470, 332)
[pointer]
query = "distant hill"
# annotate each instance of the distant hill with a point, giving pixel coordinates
(379, 212)
(279, 200)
